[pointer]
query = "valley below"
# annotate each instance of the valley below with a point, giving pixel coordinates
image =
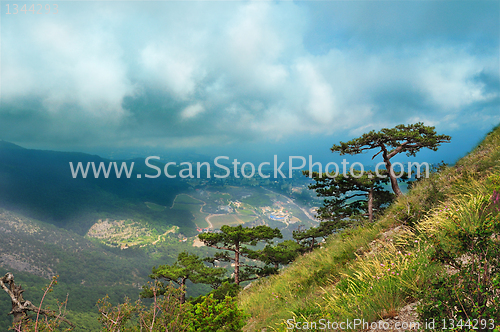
(103, 238)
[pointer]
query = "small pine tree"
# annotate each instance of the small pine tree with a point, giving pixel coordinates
(187, 267)
(236, 239)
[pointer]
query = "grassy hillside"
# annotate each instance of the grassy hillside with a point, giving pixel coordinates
(373, 271)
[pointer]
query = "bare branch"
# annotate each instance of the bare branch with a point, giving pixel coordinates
(19, 306)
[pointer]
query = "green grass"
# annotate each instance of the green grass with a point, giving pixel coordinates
(258, 200)
(297, 289)
(186, 199)
(371, 271)
(227, 219)
(246, 212)
(193, 205)
(225, 197)
(246, 218)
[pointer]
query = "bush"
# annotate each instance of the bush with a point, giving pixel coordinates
(167, 313)
(217, 316)
(468, 243)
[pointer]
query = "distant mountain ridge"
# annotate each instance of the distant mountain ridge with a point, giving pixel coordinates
(8, 145)
(39, 184)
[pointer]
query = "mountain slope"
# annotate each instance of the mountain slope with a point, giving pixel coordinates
(35, 251)
(373, 271)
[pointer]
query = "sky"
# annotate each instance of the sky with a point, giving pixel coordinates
(246, 79)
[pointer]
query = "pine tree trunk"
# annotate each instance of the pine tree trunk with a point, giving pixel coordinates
(370, 205)
(183, 288)
(392, 176)
(237, 265)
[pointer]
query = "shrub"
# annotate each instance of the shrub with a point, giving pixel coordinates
(167, 313)
(217, 316)
(466, 238)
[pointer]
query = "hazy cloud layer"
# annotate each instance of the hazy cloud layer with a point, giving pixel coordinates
(208, 73)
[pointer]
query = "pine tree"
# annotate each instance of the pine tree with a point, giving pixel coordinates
(408, 139)
(236, 239)
(350, 194)
(187, 267)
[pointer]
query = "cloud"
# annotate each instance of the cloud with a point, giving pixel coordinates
(321, 99)
(215, 73)
(68, 70)
(192, 110)
(171, 68)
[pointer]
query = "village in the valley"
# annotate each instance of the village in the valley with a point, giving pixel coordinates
(211, 209)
